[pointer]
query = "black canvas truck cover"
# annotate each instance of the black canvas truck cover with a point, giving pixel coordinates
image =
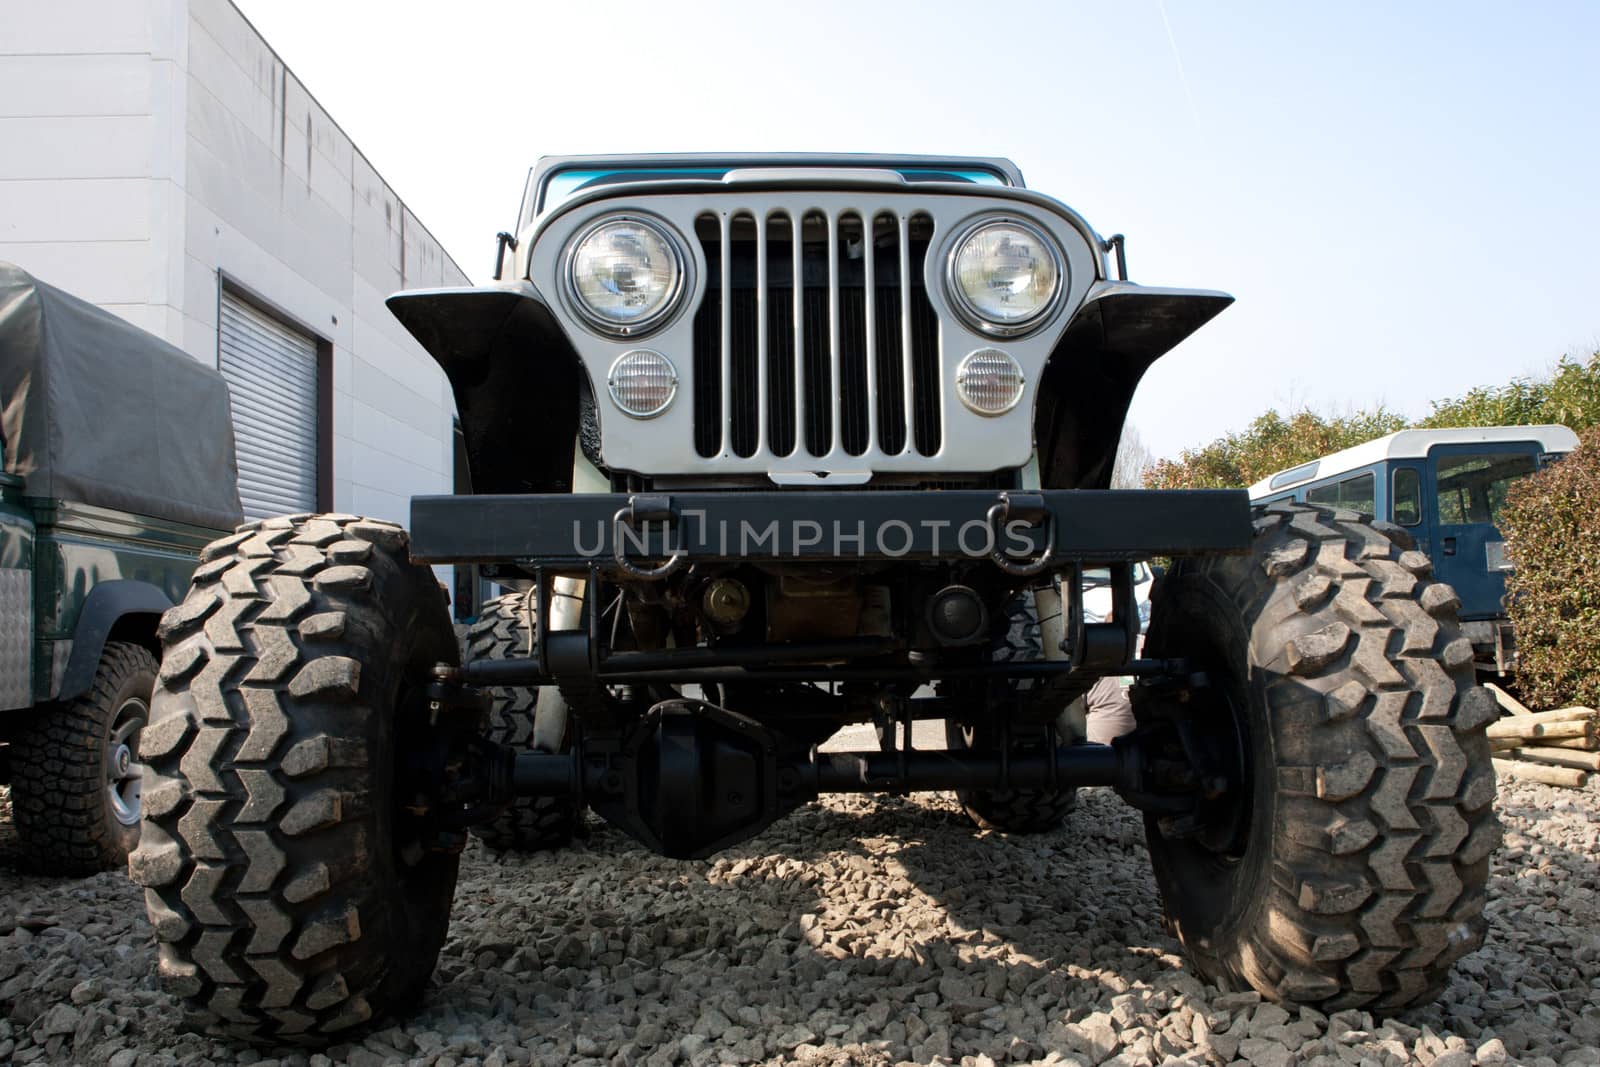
(95, 410)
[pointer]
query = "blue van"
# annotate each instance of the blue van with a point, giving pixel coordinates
(1446, 488)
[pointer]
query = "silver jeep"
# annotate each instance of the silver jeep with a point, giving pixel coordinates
(765, 445)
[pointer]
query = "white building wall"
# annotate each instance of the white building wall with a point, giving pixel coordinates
(90, 93)
(157, 147)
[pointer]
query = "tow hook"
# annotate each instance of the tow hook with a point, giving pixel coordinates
(1021, 507)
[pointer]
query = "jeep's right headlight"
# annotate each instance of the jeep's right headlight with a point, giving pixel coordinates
(989, 382)
(1005, 275)
(624, 274)
(642, 383)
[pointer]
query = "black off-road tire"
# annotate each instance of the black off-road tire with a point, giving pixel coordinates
(530, 824)
(61, 764)
(291, 894)
(1358, 878)
(1014, 811)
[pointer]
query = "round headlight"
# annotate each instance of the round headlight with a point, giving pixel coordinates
(624, 274)
(1005, 275)
(642, 383)
(989, 382)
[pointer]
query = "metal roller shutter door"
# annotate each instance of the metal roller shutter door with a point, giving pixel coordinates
(271, 370)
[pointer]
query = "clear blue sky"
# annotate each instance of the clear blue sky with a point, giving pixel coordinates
(1403, 197)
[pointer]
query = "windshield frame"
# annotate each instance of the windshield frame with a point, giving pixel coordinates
(548, 183)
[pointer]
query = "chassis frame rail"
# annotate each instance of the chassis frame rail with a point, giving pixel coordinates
(909, 770)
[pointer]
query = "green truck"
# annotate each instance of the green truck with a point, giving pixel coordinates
(118, 468)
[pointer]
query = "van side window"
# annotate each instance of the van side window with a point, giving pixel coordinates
(1295, 474)
(1357, 493)
(1407, 496)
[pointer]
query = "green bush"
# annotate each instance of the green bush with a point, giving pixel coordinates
(1270, 443)
(1551, 522)
(1569, 394)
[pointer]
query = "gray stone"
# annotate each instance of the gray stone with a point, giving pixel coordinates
(1263, 1052)
(1265, 1018)
(1095, 1035)
(62, 1019)
(1235, 1001)
(1492, 1052)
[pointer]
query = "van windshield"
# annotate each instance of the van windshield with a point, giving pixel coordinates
(1473, 488)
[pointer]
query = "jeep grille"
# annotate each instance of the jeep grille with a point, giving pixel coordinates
(847, 359)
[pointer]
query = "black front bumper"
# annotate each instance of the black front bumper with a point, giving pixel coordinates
(643, 534)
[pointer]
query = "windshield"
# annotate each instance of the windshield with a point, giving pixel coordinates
(566, 183)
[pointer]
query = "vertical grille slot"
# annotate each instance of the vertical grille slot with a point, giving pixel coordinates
(855, 392)
(708, 344)
(742, 363)
(888, 363)
(922, 326)
(817, 352)
(779, 300)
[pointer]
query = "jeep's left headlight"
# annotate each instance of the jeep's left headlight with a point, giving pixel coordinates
(1005, 275)
(624, 274)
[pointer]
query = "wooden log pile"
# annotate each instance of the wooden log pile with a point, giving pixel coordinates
(1560, 747)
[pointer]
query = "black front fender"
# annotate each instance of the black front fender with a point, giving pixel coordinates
(519, 386)
(1089, 381)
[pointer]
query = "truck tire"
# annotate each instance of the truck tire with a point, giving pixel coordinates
(1347, 866)
(524, 718)
(293, 892)
(75, 790)
(1013, 811)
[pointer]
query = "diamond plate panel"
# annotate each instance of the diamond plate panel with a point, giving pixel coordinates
(16, 637)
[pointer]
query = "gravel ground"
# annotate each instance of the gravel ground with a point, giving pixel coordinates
(861, 930)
